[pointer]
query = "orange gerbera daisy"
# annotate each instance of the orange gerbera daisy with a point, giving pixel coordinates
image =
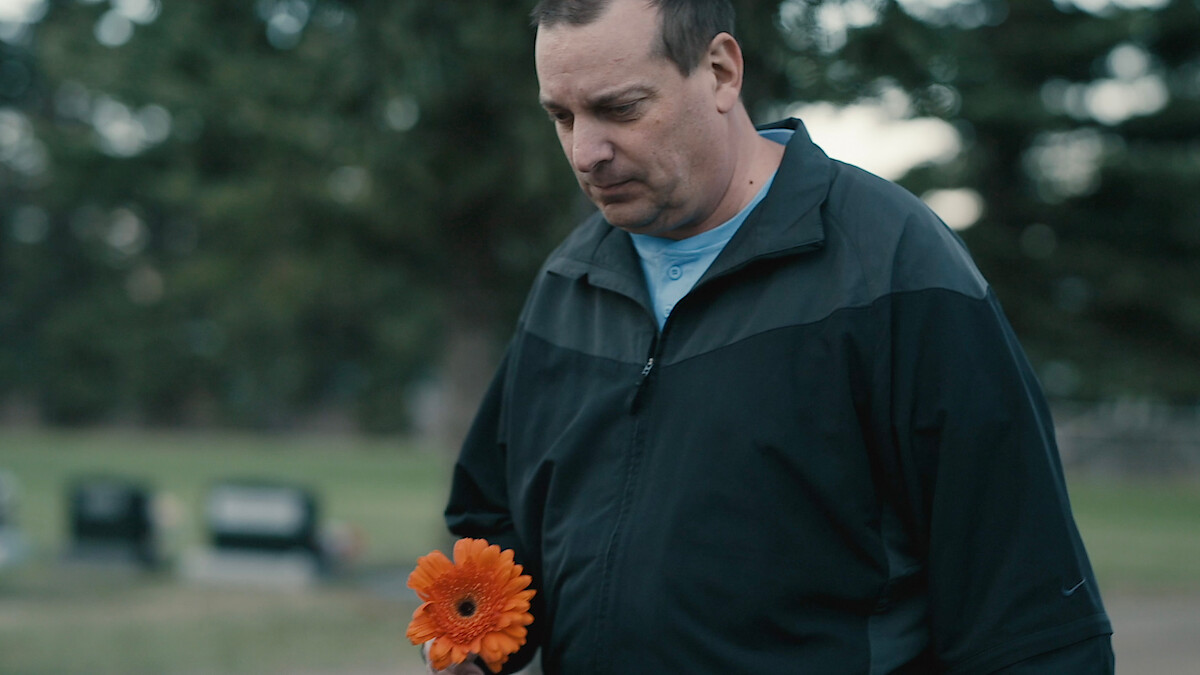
(479, 604)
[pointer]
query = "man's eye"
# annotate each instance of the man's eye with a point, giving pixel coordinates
(623, 111)
(560, 117)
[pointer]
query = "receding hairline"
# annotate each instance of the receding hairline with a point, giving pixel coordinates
(685, 29)
(572, 13)
(655, 49)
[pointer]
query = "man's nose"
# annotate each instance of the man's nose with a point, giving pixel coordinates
(590, 146)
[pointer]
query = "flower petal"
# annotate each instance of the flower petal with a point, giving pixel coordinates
(429, 569)
(423, 628)
(507, 556)
(440, 654)
(468, 549)
(496, 664)
(517, 584)
(499, 643)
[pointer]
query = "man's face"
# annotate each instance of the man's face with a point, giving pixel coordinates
(644, 141)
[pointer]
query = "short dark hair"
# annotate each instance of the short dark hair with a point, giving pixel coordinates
(687, 27)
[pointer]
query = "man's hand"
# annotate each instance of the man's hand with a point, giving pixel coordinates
(467, 668)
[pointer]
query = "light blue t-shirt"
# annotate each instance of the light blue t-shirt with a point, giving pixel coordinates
(672, 267)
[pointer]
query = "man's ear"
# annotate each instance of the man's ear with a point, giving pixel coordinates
(724, 61)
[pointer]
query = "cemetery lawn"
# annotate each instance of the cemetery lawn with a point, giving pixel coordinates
(63, 618)
(1143, 535)
(66, 619)
(392, 490)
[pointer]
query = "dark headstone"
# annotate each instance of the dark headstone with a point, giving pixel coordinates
(13, 546)
(112, 519)
(8, 499)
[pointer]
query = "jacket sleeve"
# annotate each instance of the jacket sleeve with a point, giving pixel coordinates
(1008, 577)
(478, 506)
(1093, 656)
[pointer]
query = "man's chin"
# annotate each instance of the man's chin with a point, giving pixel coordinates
(654, 225)
(634, 227)
(632, 220)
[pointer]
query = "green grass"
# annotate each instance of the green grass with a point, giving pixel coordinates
(390, 490)
(93, 622)
(62, 619)
(1142, 535)
(56, 619)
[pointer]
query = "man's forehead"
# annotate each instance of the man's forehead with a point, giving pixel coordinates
(616, 37)
(570, 71)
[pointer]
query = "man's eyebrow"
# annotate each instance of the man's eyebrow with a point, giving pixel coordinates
(620, 95)
(604, 99)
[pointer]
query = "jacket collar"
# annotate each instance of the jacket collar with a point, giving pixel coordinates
(787, 221)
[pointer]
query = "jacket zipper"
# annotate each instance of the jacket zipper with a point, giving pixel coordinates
(639, 389)
(616, 537)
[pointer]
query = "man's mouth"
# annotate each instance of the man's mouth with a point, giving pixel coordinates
(610, 185)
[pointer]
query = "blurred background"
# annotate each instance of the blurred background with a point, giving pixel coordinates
(258, 259)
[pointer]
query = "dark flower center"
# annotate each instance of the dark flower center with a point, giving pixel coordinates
(466, 607)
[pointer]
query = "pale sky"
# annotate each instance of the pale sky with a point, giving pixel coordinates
(875, 136)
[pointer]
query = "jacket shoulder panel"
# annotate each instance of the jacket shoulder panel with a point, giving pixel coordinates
(902, 244)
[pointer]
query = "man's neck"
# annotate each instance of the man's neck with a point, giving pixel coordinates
(757, 160)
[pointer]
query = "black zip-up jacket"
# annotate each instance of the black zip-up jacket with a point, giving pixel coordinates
(834, 458)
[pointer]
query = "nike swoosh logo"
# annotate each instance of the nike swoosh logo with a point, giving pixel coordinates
(1068, 592)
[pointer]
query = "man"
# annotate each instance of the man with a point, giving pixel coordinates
(761, 413)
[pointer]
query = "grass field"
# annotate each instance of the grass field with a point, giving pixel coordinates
(58, 618)
(65, 619)
(1143, 536)
(391, 490)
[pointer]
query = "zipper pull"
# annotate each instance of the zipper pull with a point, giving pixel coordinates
(649, 366)
(636, 398)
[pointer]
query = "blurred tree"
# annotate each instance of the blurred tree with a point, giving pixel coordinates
(1080, 122)
(278, 208)
(481, 178)
(256, 213)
